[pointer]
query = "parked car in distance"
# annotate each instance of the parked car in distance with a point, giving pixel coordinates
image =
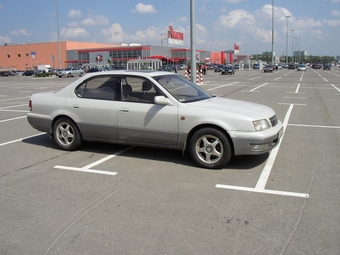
(301, 67)
(7, 73)
(71, 72)
(256, 66)
(154, 109)
(317, 66)
(93, 70)
(327, 66)
(237, 66)
(182, 66)
(268, 68)
(228, 69)
(167, 68)
(28, 73)
(218, 68)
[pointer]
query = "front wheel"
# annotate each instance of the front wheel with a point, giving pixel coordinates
(210, 148)
(66, 134)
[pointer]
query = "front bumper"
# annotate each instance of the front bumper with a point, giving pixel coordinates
(255, 143)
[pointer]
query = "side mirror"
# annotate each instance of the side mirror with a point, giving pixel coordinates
(162, 100)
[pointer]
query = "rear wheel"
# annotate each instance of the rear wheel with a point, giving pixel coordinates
(210, 148)
(66, 134)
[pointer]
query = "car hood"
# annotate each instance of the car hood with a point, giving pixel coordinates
(232, 106)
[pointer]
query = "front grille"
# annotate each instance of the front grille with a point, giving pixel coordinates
(273, 121)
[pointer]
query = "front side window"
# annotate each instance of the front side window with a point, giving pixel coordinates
(138, 89)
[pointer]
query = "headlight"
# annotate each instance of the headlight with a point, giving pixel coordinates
(260, 125)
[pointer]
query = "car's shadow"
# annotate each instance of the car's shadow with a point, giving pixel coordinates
(165, 155)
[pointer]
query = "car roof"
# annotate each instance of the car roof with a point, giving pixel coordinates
(143, 73)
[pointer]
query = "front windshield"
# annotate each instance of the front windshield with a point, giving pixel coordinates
(182, 89)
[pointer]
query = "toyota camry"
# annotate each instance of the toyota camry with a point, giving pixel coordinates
(154, 109)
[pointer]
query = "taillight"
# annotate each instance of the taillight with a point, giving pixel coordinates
(30, 105)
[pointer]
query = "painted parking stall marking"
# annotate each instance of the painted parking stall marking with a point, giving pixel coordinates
(262, 181)
(87, 168)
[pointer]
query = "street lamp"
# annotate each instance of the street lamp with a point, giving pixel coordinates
(59, 54)
(272, 32)
(287, 41)
(293, 44)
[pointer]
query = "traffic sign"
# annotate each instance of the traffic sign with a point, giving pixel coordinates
(33, 53)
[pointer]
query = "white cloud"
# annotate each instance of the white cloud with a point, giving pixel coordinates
(148, 35)
(307, 23)
(5, 39)
(74, 13)
(182, 19)
(73, 24)
(20, 32)
(95, 21)
(318, 34)
(265, 35)
(73, 33)
(236, 19)
(332, 22)
(115, 33)
(144, 8)
(335, 13)
(201, 29)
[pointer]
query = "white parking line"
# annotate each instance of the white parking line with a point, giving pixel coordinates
(13, 106)
(19, 140)
(297, 89)
(259, 87)
(262, 181)
(255, 78)
(87, 169)
(1, 121)
(11, 99)
(335, 87)
(224, 85)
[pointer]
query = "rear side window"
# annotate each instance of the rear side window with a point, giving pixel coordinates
(103, 87)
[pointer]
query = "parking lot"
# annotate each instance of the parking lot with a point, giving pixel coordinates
(114, 199)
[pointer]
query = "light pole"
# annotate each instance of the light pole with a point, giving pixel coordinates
(272, 32)
(293, 44)
(287, 41)
(193, 40)
(59, 57)
(296, 50)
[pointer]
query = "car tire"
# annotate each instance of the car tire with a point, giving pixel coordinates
(67, 135)
(81, 74)
(210, 148)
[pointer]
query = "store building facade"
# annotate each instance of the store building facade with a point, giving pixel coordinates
(28, 56)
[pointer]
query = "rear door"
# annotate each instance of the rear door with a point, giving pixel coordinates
(94, 107)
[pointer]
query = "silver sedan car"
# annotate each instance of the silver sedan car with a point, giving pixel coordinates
(155, 109)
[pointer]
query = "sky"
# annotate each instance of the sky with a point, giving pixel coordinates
(219, 23)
